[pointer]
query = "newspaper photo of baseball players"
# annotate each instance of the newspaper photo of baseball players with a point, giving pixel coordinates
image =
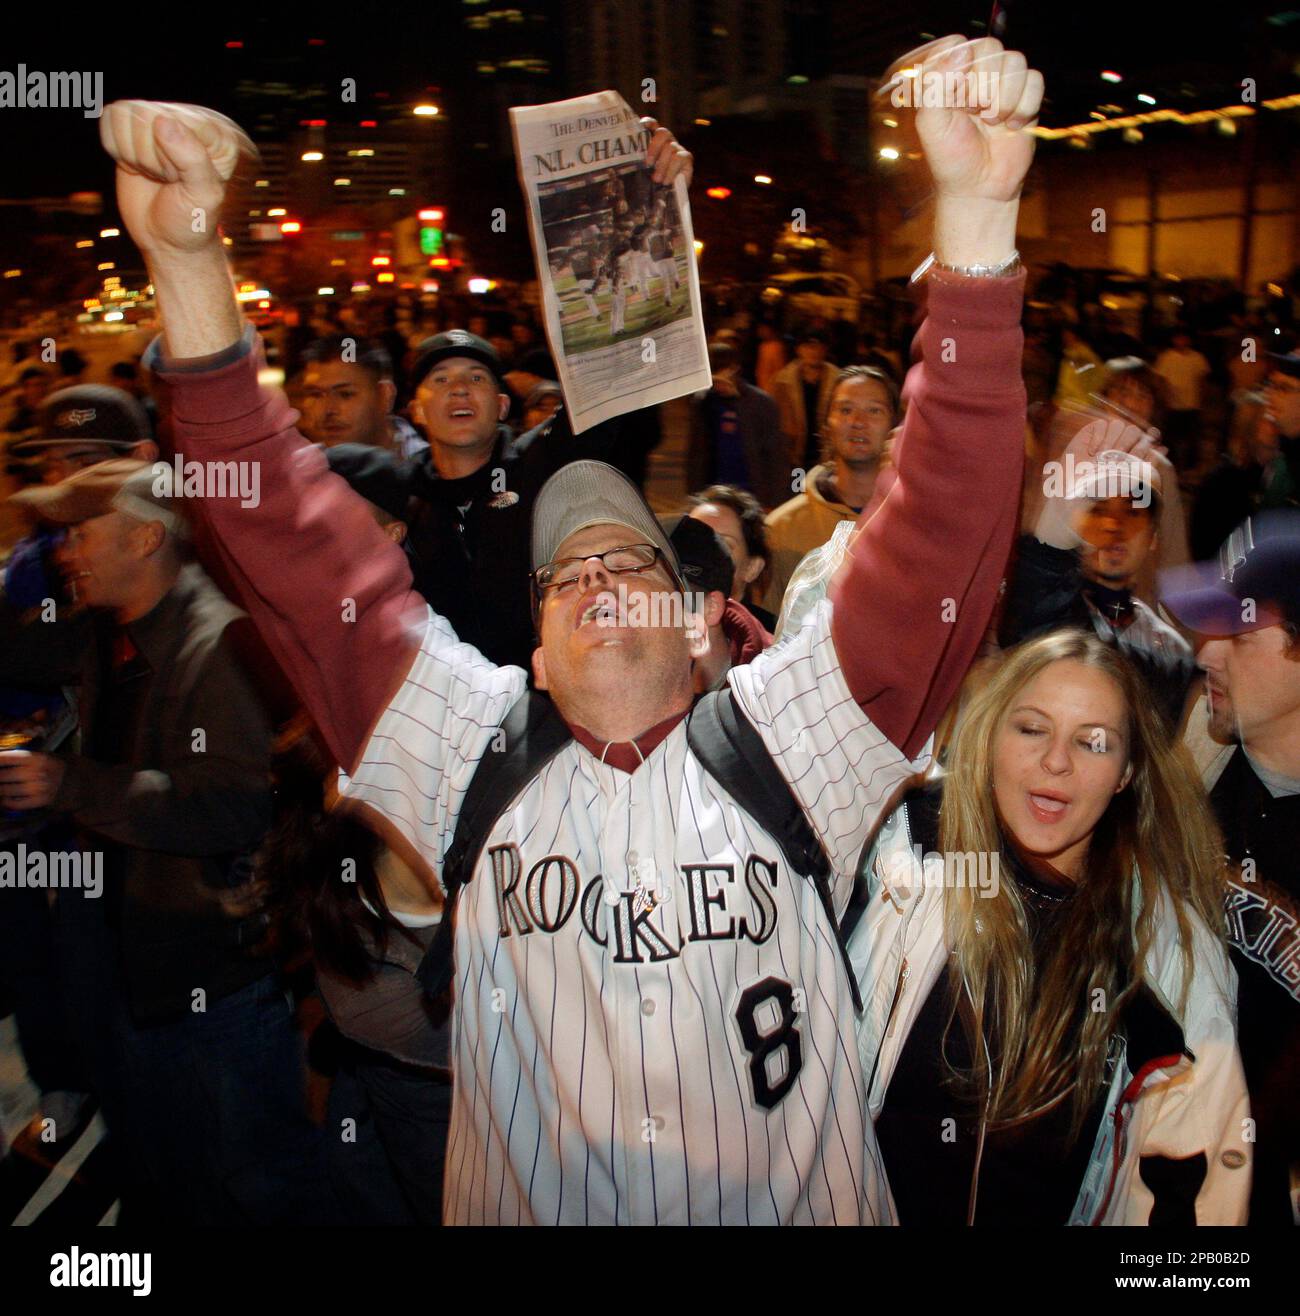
(616, 256)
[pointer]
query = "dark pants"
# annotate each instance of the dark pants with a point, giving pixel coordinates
(54, 957)
(32, 986)
(210, 1118)
(387, 1161)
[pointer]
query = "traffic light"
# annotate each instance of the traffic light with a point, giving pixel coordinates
(431, 230)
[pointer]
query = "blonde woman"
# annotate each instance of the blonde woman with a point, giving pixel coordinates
(1048, 1034)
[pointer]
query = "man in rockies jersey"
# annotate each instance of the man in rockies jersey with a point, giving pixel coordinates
(663, 262)
(621, 268)
(652, 1020)
(586, 274)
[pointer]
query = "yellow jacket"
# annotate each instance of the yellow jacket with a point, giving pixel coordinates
(803, 523)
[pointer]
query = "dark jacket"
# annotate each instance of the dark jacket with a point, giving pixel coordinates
(1048, 591)
(766, 451)
(180, 812)
(472, 565)
(1263, 907)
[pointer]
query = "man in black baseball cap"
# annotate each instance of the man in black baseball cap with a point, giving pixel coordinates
(451, 344)
(85, 424)
(1245, 610)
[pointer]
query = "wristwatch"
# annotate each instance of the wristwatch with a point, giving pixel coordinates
(1004, 267)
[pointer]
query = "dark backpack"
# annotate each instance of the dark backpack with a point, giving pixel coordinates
(720, 736)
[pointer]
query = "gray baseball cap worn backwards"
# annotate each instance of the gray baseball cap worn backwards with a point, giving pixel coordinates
(587, 493)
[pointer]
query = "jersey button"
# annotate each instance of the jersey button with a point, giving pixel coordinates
(647, 1008)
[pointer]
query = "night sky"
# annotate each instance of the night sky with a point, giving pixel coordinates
(180, 55)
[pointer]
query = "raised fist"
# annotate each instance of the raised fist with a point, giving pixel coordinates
(173, 164)
(973, 103)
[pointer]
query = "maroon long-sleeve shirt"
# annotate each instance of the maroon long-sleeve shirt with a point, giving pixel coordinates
(332, 594)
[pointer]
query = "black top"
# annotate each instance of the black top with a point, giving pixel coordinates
(468, 539)
(1261, 834)
(1047, 591)
(1030, 1175)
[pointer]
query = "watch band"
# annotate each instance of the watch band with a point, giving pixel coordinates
(997, 271)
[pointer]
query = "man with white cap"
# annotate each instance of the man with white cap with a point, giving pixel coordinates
(1080, 567)
(653, 1021)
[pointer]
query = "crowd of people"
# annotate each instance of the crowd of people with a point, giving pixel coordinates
(927, 858)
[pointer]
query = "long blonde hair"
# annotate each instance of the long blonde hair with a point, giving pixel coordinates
(1157, 837)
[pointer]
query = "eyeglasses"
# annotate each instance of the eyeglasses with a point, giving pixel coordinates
(555, 577)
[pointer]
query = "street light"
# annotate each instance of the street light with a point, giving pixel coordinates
(762, 178)
(1109, 75)
(311, 157)
(1145, 99)
(889, 153)
(426, 111)
(110, 233)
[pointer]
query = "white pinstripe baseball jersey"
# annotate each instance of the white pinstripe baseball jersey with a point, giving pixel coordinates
(653, 1024)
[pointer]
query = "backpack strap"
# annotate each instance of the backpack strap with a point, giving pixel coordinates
(534, 734)
(733, 753)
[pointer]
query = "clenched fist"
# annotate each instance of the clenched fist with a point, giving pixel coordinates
(173, 164)
(973, 102)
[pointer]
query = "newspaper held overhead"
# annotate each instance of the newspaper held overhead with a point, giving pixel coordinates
(615, 259)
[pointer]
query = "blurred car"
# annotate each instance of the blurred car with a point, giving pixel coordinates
(824, 295)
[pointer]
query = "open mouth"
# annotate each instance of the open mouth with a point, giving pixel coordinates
(601, 611)
(462, 413)
(1046, 807)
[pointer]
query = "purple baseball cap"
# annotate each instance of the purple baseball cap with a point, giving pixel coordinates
(1255, 583)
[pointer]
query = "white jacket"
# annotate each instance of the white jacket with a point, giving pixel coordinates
(1173, 1106)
